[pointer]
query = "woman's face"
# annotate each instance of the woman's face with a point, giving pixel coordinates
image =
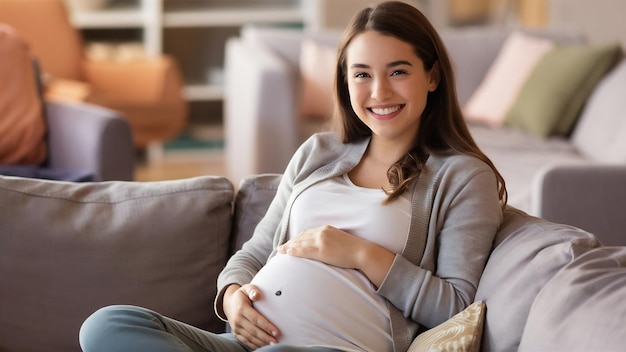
(388, 85)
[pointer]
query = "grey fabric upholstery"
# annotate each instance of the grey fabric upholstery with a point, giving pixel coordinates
(582, 308)
(254, 196)
(85, 143)
(595, 199)
(91, 138)
(600, 131)
(67, 249)
(527, 253)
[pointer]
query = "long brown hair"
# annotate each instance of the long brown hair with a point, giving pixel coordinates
(442, 126)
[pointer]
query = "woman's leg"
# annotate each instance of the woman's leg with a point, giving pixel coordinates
(130, 328)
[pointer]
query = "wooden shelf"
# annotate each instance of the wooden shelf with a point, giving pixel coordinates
(209, 92)
(111, 17)
(230, 17)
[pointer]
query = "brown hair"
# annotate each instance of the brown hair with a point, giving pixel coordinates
(442, 126)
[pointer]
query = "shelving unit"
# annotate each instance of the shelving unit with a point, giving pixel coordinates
(192, 31)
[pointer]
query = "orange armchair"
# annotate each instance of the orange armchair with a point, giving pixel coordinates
(148, 92)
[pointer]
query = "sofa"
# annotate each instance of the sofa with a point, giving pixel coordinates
(67, 249)
(85, 142)
(575, 177)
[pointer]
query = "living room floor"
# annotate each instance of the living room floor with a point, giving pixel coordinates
(199, 153)
(181, 165)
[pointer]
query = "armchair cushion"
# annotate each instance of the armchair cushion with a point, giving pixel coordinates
(22, 124)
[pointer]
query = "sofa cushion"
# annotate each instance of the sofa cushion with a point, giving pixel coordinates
(520, 155)
(556, 90)
(254, 196)
(601, 130)
(527, 253)
(582, 307)
(67, 249)
(505, 78)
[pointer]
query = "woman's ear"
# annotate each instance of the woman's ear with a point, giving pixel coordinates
(434, 77)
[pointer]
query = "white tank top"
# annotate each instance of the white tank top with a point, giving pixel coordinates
(321, 305)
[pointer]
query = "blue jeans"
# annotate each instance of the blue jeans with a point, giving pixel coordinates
(130, 328)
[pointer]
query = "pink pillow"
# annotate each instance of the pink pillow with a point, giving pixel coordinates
(497, 92)
(317, 76)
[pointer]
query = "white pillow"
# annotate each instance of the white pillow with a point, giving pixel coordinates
(495, 95)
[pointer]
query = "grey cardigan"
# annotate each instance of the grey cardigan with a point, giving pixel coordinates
(455, 215)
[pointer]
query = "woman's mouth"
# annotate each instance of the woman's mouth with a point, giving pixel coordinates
(387, 111)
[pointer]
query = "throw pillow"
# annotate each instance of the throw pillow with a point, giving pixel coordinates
(462, 332)
(494, 97)
(317, 75)
(599, 131)
(22, 123)
(556, 90)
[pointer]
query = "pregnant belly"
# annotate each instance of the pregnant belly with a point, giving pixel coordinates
(312, 303)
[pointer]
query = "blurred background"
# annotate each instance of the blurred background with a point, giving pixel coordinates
(195, 32)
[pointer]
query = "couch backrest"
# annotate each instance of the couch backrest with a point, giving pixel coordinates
(286, 42)
(528, 252)
(254, 195)
(68, 249)
(473, 50)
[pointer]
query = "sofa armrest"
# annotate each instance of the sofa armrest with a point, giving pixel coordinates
(148, 80)
(260, 110)
(85, 137)
(591, 197)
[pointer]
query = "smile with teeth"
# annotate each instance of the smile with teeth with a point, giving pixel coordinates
(386, 110)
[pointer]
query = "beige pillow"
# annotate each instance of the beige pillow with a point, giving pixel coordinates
(317, 76)
(494, 97)
(462, 332)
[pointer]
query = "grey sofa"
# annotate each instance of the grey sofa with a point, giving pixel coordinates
(67, 249)
(85, 142)
(576, 180)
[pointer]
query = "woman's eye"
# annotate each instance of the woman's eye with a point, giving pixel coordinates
(398, 72)
(361, 75)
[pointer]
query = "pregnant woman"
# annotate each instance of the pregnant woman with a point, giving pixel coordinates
(377, 230)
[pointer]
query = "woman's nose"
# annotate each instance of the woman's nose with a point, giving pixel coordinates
(381, 89)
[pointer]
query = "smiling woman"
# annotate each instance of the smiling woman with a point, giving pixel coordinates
(376, 230)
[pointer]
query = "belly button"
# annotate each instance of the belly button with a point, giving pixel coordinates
(278, 293)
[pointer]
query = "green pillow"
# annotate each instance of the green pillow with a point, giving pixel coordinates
(553, 96)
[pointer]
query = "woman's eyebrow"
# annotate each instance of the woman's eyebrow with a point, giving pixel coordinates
(391, 64)
(399, 63)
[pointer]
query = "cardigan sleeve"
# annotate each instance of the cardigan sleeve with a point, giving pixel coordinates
(464, 219)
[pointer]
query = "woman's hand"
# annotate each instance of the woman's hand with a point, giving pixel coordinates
(336, 247)
(248, 325)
